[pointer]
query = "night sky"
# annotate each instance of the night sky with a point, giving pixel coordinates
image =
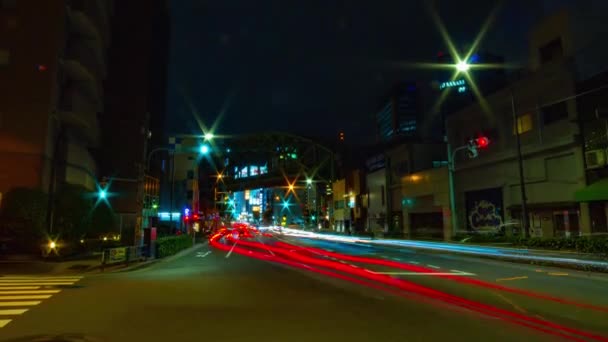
(314, 67)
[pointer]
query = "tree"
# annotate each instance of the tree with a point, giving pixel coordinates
(24, 214)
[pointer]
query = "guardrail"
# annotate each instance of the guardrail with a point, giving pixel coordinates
(122, 255)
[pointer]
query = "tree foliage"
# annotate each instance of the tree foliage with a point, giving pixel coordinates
(75, 213)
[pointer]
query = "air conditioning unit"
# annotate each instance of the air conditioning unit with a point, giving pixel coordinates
(595, 159)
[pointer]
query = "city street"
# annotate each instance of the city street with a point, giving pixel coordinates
(217, 296)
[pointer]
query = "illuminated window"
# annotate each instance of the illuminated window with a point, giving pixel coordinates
(524, 124)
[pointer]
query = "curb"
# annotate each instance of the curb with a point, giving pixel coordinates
(147, 263)
(587, 265)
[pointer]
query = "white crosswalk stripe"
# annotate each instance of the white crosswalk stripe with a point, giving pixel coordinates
(19, 294)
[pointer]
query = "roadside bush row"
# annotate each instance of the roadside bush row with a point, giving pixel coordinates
(169, 245)
(596, 245)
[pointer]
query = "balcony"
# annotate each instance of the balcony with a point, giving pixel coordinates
(88, 53)
(96, 13)
(78, 76)
(78, 111)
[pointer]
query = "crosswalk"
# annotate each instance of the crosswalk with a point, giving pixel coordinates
(19, 294)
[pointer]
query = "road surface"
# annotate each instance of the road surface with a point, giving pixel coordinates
(213, 295)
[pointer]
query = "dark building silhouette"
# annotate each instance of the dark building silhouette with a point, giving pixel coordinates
(401, 113)
(134, 110)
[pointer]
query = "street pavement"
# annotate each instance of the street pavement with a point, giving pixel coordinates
(209, 295)
(577, 287)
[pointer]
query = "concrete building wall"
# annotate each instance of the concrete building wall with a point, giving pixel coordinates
(376, 190)
(426, 192)
(552, 158)
(340, 205)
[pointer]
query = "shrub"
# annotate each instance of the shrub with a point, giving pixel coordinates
(595, 245)
(170, 245)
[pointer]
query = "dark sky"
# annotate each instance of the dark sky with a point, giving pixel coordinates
(314, 67)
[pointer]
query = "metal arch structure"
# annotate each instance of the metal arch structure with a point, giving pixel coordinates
(273, 149)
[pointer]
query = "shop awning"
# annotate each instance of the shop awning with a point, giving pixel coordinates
(597, 191)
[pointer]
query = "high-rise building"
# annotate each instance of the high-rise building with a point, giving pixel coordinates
(52, 65)
(134, 106)
(401, 113)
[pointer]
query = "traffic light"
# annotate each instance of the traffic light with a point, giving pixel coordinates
(476, 144)
(482, 142)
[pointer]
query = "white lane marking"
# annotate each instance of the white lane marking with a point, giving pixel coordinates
(231, 249)
(268, 249)
(19, 287)
(28, 292)
(426, 273)
(41, 277)
(414, 262)
(28, 303)
(24, 297)
(12, 312)
(396, 259)
(34, 281)
(433, 266)
(42, 284)
(202, 255)
(457, 271)
(4, 322)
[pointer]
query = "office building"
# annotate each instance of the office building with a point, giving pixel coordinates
(401, 113)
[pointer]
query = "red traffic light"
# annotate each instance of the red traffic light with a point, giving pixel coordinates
(482, 142)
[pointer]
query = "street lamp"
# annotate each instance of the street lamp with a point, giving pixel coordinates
(463, 66)
(309, 181)
(208, 136)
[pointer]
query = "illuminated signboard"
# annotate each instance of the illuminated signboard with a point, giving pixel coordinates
(460, 84)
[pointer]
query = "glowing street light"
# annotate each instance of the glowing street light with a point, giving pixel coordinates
(309, 181)
(290, 187)
(208, 136)
(463, 66)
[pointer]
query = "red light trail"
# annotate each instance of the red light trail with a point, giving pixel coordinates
(311, 259)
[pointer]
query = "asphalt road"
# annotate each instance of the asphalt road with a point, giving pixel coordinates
(576, 287)
(205, 296)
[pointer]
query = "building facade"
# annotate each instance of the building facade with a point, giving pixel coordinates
(540, 109)
(402, 113)
(134, 93)
(53, 64)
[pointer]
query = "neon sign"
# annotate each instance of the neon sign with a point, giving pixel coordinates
(452, 84)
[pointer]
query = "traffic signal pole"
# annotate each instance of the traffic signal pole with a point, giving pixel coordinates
(451, 189)
(522, 182)
(472, 146)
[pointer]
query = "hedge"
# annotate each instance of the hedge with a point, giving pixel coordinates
(595, 245)
(170, 245)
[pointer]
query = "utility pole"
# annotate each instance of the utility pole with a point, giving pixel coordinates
(522, 182)
(452, 190)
